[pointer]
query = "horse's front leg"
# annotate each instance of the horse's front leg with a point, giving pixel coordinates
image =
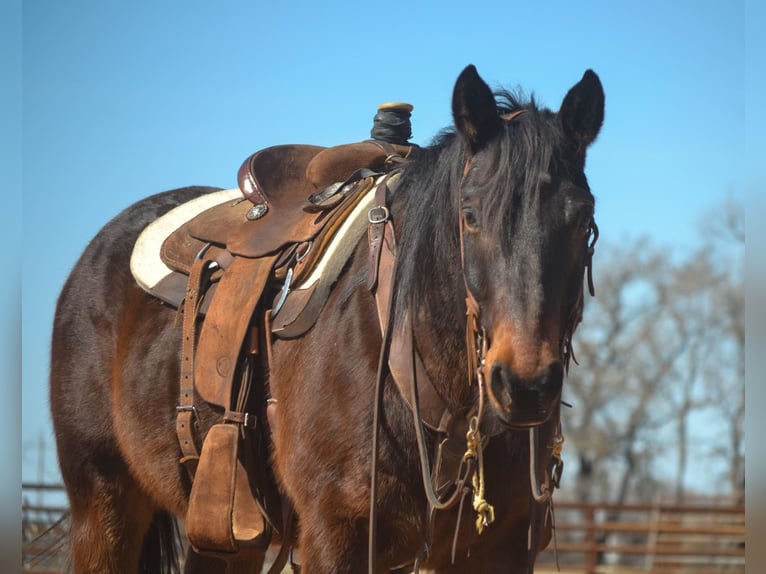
(499, 557)
(500, 549)
(330, 544)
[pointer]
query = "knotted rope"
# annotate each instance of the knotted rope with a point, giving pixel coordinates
(484, 510)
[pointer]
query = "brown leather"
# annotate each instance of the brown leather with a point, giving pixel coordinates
(329, 225)
(283, 178)
(222, 516)
(223, 332)
(403, 361)
(303, 305)
(277, 174)
(339, 162)
(227, 225)
(375, 233)
(198, 280)
(408, 371)
(171, 289)
(292, 220)
(227, 230)
(300, 311)
(180, 249)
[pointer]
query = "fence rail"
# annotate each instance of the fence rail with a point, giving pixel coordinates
(599, 538)
(44, 529)
(697, 538)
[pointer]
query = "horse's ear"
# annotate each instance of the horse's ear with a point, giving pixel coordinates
(474, 109)
(582, 111)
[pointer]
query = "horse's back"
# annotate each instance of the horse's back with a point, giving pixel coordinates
(95, 291)
(99, 310)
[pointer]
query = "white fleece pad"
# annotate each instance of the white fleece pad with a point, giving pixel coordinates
(145, 263)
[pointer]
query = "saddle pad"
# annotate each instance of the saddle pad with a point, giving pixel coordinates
(145, 264)
(306, 299)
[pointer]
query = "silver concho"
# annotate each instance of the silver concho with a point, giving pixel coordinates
(257, 211)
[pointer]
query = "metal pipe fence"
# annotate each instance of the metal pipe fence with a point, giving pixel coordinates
(705, 537)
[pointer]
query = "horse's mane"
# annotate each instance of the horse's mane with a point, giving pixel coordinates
(428, 242)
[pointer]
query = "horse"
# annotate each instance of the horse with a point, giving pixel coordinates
(493, 224)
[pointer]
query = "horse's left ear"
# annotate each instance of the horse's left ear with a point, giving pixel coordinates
(474, 109)
(582, 111)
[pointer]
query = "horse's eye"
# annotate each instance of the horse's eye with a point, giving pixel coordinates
(470, 221)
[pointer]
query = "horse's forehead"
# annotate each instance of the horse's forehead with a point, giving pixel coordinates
(527, 166)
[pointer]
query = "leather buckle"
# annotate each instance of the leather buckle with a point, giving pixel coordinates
(247, 420)
(378, 214)
(250, 421)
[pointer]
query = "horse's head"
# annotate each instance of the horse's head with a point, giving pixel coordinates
(526, 224)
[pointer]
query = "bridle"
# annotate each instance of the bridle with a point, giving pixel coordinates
(471, 466)
(477, 344)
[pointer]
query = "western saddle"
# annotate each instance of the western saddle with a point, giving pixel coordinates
(272, 255)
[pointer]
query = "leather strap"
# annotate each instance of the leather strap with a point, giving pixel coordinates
(377, 408)
(378, 217)
(404, 362)
(225, 326)
(286, 543)
(398, 354)
(199, 277)
(247, 420)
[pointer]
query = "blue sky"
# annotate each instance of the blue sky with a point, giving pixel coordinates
(124, 99)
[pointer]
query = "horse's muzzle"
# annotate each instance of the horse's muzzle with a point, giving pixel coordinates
(523, 403)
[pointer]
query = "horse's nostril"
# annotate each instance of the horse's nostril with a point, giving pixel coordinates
(551, 380)
(500, 382)
(525, 401)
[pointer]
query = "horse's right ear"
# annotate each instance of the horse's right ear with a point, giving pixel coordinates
(474, 109)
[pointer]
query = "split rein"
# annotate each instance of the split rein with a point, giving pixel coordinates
(471, 466)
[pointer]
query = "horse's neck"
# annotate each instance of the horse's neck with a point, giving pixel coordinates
(440, 341)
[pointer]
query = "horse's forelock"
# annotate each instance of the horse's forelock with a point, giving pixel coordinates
(523, 155)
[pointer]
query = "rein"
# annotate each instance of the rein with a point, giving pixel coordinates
(473, 452)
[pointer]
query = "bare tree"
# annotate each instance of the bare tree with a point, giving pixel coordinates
(624, 362)
(724, 375)
(661, 345)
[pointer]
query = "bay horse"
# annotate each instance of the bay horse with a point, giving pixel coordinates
(494, 230)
